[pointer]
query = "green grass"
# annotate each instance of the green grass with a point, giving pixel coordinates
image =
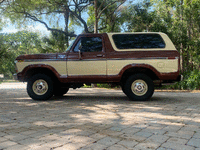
(8, 80)
(86, 86)
(102, 85)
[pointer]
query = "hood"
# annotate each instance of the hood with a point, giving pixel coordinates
(42, 56)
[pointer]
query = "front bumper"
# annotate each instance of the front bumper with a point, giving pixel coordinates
(15, 76)
(18, 76)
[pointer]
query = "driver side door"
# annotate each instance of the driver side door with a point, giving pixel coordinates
(87, 60)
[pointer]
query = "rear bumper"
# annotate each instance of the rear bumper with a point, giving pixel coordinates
(180, 78)
(168, 82)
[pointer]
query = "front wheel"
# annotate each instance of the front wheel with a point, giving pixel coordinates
(40, 87)
(139, 87)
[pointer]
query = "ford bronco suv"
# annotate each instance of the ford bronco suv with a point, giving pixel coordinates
(135, 61)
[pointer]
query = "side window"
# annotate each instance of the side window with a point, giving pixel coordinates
(89, 44)
(138, 41)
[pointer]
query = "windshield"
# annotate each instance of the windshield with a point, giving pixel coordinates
(71, 45)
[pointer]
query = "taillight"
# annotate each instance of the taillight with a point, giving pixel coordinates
(173, 57)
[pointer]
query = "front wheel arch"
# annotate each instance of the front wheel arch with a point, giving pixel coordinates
(34, 69)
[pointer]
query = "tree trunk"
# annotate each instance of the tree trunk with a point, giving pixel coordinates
(66, 16)
(95, 27)
(96, 17)
(181, 44)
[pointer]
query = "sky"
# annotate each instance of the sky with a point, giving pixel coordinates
(33, 28)
(36, 27)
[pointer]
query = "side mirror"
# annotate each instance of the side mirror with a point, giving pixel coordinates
(79, 53)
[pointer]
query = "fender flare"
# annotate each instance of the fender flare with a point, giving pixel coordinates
(146, 66)
(23, 73)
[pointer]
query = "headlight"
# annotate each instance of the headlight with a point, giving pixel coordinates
(16, 70)
(18, 61)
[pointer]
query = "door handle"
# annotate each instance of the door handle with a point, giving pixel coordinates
(99, 55)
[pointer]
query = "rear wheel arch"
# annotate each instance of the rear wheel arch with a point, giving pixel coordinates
(131, 70)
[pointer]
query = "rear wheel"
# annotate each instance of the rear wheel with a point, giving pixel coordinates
(139, 87)
(40, 87)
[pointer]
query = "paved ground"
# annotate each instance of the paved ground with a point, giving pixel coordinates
(98, 119)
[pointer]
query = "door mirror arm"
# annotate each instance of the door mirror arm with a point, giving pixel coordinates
(79, 53)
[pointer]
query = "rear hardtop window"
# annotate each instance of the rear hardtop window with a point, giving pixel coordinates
(138, 41)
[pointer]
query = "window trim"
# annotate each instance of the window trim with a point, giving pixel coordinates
(82, 36)
(140, 47)
(168, 43)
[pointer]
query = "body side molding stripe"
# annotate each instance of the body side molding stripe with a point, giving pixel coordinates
(42, 60)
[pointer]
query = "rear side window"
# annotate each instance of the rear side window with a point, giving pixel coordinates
(138, 41)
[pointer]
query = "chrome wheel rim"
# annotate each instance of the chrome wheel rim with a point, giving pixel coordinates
(40, 87)
(139, 87)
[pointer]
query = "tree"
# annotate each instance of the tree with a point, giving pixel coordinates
(22, 42)
(3, 49)
(101, 6)
(14, 44)
(182, 20)
(4, 56)
(141, 17)
(46, 12)
(55, 43)
(105, 15)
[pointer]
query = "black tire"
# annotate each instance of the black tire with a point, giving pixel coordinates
(40, 87)
(123, 89)
(60, 91)
(139, 87)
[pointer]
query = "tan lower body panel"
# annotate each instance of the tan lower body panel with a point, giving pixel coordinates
(59, 66)
(86, 67)
(109, 67)
(161, 65)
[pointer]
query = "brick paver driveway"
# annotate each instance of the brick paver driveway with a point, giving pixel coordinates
(98, 119)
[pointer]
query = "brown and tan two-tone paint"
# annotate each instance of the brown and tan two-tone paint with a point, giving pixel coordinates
(107, 65)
